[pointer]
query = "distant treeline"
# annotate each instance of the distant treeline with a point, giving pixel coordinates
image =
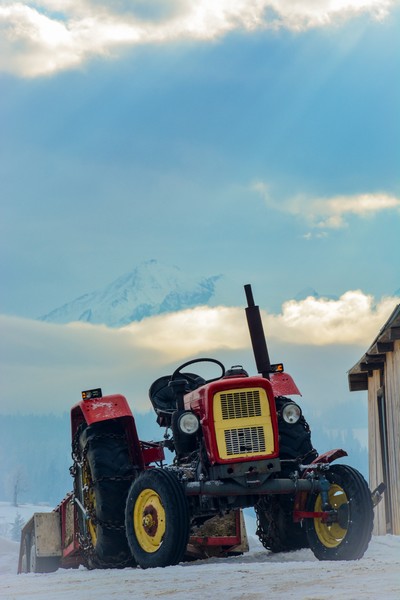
(35, 453)
(34, 457)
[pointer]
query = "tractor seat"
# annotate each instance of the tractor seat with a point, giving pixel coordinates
(163, 398)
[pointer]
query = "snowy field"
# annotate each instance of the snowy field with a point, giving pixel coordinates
(257, 575)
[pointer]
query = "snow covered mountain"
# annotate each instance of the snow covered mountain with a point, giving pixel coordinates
(151, 288)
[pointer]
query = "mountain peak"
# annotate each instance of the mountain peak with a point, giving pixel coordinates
(151, 288)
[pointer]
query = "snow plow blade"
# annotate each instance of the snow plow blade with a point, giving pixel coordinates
(49, 540)
(40, 548)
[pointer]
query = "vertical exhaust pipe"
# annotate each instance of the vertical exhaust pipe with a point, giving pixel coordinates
(257, 335)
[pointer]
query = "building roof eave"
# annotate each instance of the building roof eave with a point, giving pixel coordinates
(375, 356)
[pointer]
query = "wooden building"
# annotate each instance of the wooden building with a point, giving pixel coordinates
(378, 372)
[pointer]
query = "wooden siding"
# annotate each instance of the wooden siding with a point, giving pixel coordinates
(392, 389)
(392, 403)
(374, 451)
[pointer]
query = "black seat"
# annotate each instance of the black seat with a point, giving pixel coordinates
(163, 399)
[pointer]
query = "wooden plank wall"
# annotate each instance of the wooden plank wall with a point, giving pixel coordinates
(392, 396)
(392, 387)
(374, 451)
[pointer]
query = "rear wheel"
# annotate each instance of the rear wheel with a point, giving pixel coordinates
(102, 479)
(157, 519)
(275, 526)
(294, 438)
(276, 529)
(348, 537)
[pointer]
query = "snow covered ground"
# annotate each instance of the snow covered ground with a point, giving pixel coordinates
(257, 575)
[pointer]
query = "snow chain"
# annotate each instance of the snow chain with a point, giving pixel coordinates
(79, 457)
(268, 510)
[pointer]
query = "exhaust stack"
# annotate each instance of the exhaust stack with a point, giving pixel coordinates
(257, 335)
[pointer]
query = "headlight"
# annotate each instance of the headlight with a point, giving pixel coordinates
(188, 423)
(291, 413)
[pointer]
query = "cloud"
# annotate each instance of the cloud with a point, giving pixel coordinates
(355, 318)
(329, 213)
(185, 333)
(44, 366)
(47, 36)
(352, 319)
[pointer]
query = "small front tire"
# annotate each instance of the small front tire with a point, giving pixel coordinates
(157, 519)
(348, 537)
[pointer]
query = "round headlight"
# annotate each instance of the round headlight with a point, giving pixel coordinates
(291, 413)
(188, 423)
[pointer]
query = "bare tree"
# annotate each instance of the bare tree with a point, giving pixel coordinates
(18, 485)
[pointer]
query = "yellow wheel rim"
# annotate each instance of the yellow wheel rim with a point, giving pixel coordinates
(89, 501)
(149, 520)
(330, 534)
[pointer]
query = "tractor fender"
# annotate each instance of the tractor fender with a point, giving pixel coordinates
(94, 410)
(283, 384)
(110, 408)
(328, 457)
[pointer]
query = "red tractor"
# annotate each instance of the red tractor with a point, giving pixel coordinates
(238, 441)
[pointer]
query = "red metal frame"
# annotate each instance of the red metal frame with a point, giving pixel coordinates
(303, 514)
(300, 500)
(71, 553)
(151, 452)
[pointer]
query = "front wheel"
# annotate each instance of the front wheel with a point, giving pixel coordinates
(157, 519)
(347, 538)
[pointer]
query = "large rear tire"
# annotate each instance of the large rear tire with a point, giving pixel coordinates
(157, 519)
(102, 481)
(294, 438)
(276, 529)
(349, 536)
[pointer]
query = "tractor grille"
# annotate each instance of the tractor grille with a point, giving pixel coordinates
(243, 425)
(241, 404)
(244, 440)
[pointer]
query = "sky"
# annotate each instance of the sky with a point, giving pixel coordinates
(257, 139)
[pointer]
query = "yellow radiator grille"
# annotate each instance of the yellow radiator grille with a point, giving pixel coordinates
(245, 439)
(240, 404)
(242, 421)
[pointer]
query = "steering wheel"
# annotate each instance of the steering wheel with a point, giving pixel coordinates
(195, 379)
